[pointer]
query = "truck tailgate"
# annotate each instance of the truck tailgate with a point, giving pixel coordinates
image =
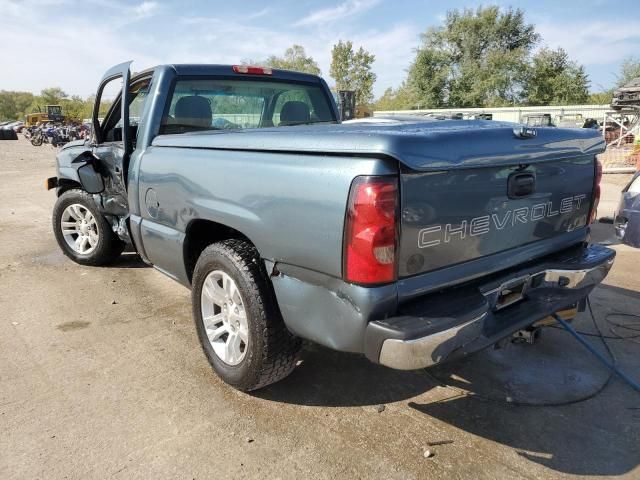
(458, 215)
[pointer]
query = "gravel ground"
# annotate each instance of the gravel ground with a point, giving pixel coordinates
(101, 375)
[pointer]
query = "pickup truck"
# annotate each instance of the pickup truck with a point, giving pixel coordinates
(412, 242)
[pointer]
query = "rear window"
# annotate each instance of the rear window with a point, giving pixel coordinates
(219, 104)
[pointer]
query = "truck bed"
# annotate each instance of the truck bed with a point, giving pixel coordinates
(454, 180)
(423, 145)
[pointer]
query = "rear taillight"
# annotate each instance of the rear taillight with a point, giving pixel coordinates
(252, 70)
(371, 232)
(596, 191)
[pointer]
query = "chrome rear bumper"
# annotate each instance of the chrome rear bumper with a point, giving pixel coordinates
(421, 352)
(454, 323)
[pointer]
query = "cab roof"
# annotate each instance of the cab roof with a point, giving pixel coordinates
(197, 69)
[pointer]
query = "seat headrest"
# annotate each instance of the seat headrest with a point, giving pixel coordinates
(194, 111)
(294, 112)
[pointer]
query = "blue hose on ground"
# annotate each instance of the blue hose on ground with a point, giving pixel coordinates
(609, 364)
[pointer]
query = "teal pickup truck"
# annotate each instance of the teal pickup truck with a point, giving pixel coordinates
(411, 241)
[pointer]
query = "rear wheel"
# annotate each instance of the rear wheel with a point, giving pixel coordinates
(36, 140)
(83, 234)
(237, 319)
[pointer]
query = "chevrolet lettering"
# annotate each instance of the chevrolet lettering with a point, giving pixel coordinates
(436, 234)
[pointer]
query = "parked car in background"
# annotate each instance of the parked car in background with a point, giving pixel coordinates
(627, 218)
(8, 130)
(627, 96)
(16, 126)
(591, 123)
(538, 120)
(575, 120)
(444, 116)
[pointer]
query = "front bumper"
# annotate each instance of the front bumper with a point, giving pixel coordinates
(462, 320)
(50, 183)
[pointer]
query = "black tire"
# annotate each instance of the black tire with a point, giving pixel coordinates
(36, 140)
(109, 246)
(271, 351)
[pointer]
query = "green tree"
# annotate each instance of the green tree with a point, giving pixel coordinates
(75, 109)
(477, 58)
(554, 79)
(629, 70)
(600, 98)
(352, 70)
(430, 76)
(294, 58)
(388, 101)
(52, 96)
(401, 98)
(14, 105)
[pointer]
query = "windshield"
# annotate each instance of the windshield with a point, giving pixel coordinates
(216, 103)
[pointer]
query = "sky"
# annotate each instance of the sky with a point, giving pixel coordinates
(70, 44)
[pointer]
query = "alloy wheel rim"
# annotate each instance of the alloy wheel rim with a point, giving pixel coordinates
(79, 229)
(224, 317)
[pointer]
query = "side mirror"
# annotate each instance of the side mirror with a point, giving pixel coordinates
(90, 179)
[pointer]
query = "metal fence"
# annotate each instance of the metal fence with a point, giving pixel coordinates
(514, 114)
(619, 128)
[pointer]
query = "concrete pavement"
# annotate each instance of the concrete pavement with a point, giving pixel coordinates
(101, 376)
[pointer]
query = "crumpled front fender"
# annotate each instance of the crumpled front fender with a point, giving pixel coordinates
(66, 169)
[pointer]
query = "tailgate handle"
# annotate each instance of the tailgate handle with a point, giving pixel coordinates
(521, 184)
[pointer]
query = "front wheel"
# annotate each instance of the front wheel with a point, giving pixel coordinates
(81, 231)
(237, 319)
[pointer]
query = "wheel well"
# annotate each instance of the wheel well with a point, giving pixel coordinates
(202, 233)
(65, 184)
